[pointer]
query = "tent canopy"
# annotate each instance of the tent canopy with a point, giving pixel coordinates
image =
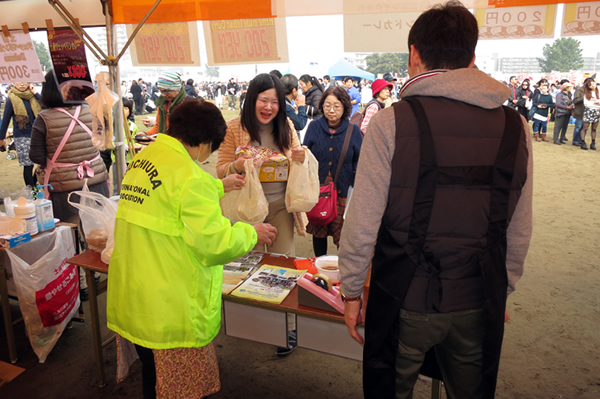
(341, 69)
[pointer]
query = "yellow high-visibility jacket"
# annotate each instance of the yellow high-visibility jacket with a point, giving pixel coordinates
(171, 240)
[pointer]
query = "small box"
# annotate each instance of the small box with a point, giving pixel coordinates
(274, 169)
(11, 241)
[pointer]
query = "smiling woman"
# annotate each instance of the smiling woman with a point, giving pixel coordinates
(263, 123)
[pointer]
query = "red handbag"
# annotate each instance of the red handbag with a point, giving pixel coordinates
(325, 211)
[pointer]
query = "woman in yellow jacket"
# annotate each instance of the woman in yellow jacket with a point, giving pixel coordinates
(165, 296)
(263, 122)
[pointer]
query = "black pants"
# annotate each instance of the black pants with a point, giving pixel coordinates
(523, 111)
(148, 371)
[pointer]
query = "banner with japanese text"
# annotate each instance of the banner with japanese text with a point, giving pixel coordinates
(246, 41)
(378, 33)
(536, 22)
(165, 44)
(67, 52)
(581, 19)
(18, 60)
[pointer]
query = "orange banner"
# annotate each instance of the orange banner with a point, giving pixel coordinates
(132, 11)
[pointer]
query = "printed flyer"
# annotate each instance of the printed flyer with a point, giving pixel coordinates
(269, 284)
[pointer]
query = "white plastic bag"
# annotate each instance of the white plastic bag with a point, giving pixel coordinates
(47, 287)
(101, 104)
(97, 214)
(302, 191)
(251, 205)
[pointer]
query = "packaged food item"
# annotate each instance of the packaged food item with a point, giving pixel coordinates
(274, 166)
(97, 239)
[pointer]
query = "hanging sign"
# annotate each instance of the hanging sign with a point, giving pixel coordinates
(581, 19)
(246, 41)
(536, 22)
(372, 32)
(18, 60)
(67, 52)
(165, 44)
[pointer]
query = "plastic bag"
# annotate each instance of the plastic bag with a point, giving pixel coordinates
(101, 103)
(47, 287)
(251, 205)
(97, 214)
(302, 192)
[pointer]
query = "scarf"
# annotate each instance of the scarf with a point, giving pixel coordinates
(16, 98)
(161, 103)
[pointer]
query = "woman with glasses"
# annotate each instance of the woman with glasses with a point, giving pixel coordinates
(263, 122)
(325, 138)
(524, 96)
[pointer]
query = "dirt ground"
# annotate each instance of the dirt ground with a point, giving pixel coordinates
(550, 346)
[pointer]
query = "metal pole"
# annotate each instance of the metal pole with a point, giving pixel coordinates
(113, 71)
(137, 28)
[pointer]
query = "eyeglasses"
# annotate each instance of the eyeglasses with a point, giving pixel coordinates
(165, 91)
(328, 106)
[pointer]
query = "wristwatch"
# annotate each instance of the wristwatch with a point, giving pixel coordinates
(346, 299)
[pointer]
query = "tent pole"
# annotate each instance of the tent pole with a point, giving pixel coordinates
(113, 71)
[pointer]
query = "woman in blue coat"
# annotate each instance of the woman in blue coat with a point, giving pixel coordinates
(325, 138)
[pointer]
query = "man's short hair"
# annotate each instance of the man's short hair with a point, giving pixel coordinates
(347, 78)
(276, 73)
(445, 36)
(290, 82)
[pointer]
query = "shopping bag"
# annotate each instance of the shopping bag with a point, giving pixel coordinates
(47, 287)
(251, 205)
(325, 211)
(97, 214)
(302, 191)
(101, 104)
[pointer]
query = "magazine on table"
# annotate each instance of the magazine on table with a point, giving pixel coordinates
(237, 271)
(269, 284)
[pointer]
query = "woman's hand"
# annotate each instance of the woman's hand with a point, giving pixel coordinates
(238, 164)
(298, 154)
(266, 233)
(233, 182)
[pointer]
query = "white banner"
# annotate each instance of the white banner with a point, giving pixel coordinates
(165, 44)
(581, 19)
(378, 33)
(18, 60)
(535, 22)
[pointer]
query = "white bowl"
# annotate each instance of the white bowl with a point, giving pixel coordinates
(325, 265)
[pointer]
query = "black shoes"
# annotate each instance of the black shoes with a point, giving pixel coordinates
(557, 142)
(583, 145)
(593, 145)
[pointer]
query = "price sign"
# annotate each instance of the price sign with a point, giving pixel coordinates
(18, 60)
(581, 19)
(246, 41)
(516, 22)
(165, 44)
(71, 70)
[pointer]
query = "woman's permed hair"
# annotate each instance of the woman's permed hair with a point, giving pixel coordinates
(195, 122)
(341, 94)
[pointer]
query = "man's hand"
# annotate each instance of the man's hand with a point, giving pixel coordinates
(515, 101)
(300, 100)
(298, 154)
(233, 182)
(352, 317)
(266, 233)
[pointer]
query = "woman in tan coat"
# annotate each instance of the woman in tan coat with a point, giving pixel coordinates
(263, 123)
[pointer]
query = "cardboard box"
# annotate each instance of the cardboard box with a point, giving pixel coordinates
(274, 169)
(11, 241)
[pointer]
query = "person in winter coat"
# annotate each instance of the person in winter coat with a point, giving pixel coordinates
(165, 296)
(325, 138)
(66, 153)
(137, 92)
(564, 106)
(578, 109)
(524, 95)
(542, 102)
(353, 93)
(591, 114)
(263, 122)
(189, 89)
(290, 85)
(381, 92)
(22, 107)
(313, 91)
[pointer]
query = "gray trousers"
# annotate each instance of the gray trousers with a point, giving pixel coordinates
(458, 339)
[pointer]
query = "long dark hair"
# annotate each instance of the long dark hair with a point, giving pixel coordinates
(281, 128)
(313, 80)
(587, 92)
(51, 97)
